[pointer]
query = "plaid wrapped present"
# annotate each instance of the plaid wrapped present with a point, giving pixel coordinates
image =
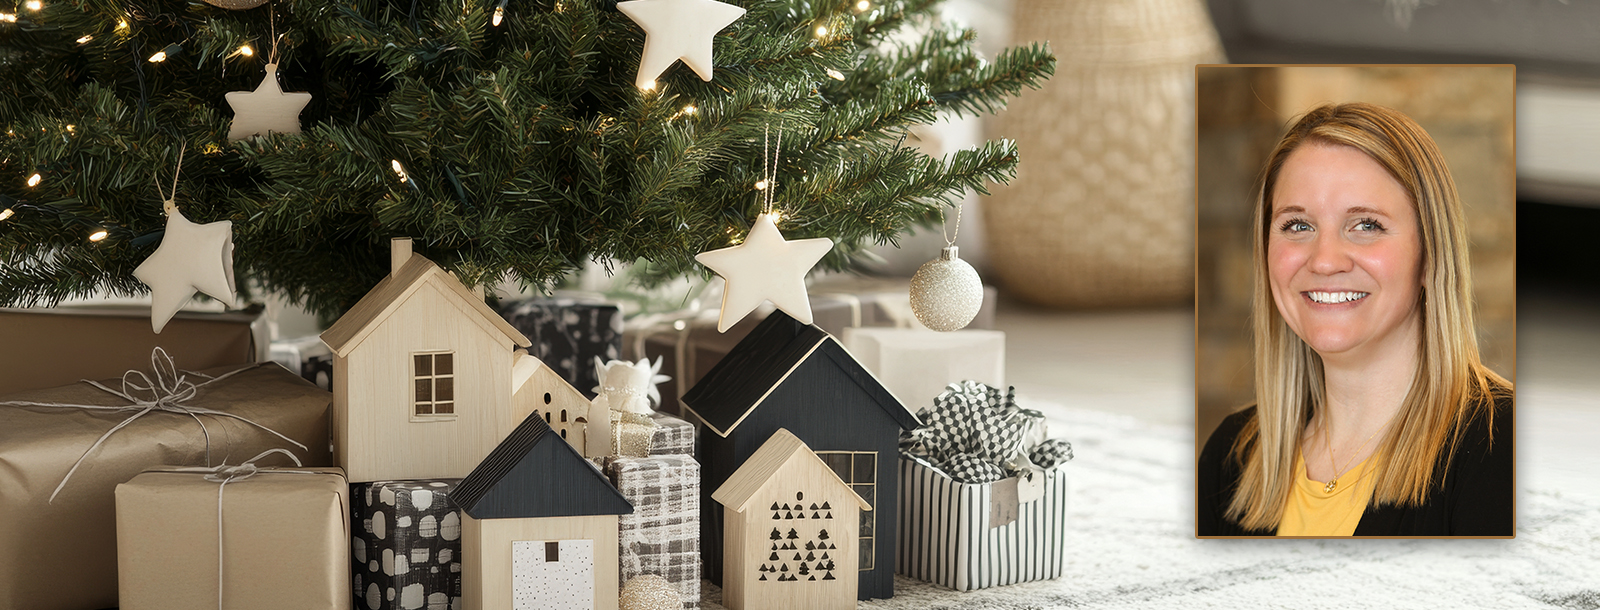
(673, 436)
(662, 536)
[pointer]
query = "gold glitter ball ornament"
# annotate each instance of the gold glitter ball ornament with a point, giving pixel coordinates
(649, 592)
(946, 293)
(236, 5)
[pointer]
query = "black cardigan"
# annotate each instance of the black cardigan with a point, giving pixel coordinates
(1474, 499)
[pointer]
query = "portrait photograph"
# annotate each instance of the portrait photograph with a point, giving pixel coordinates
(1355, 301)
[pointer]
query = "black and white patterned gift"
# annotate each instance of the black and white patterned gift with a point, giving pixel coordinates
(982, 495)
(567, 335)
(672, 436)
(662, 536)
(405, 545)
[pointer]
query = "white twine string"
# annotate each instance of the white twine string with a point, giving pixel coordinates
(169, 390)
(224, 474)
(169, 203)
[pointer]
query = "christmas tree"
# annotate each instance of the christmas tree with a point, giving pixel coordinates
(509, 138)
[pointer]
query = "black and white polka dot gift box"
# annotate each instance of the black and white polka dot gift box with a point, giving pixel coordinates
(405, 545)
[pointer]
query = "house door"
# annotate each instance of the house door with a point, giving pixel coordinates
(552, 574)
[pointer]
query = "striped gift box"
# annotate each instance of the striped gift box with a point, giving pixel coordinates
(945, 538)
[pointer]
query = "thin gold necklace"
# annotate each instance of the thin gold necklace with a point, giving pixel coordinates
(1327, 441)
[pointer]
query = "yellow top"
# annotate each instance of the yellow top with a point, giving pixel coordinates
(1314, 511)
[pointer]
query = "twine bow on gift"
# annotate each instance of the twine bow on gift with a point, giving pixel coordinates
(224, 474)
(169, 391)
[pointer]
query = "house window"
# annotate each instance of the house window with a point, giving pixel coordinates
(434, 376)
(860, 470)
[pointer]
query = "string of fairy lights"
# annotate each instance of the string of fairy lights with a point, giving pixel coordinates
(9, 205)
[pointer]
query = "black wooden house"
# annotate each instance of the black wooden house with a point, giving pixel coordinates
(785, 374)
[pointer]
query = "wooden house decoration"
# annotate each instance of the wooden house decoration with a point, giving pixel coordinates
(539, 527)
(538, 389)
(421, 376)
(795, 376)
(790, 537)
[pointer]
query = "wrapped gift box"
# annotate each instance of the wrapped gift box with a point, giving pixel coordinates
(62, 554)
(673, 436)
(405, 544)
(662, 536)
(973, 536)
(690, 349)
(916, 364)
(567, 335)
(283, 536)
(65, 344)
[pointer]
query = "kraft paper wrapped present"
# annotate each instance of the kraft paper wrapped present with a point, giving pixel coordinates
(916, 364)
(982, 499)
(662, 535)
(70, 558)
(284, 540)
(405, 545)
(568, 333)
(65, 344)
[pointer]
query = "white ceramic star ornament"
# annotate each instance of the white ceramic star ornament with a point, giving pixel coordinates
(191, 257)
(766, 267)
(267, 109)
(677, 29)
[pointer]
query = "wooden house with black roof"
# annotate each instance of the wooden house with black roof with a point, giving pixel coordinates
(795, 376)
(539, 528)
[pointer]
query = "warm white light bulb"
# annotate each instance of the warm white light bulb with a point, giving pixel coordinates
(6, 213)
(835, 74)
(689, 109)
(159, 57)
(70, 128)
(8, 18)
(122, 24)
(822, 30)
(246, 51)
(98, 235)
(33, 180)
(863, 5)
(85, 39)
(499, 14)
(398, 169)
(761, 185)
(34, 5)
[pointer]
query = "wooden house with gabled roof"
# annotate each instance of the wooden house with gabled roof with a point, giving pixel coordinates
(539, 527)
(791, 531)
(795, 376)
(422, 376)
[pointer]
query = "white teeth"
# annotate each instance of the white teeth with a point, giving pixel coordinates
(1336, 297)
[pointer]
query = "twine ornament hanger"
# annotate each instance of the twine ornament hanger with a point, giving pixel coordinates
(765, 267)
(192, 257)
(268, 109)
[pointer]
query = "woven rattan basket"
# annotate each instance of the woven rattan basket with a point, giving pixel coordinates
(1102, 210)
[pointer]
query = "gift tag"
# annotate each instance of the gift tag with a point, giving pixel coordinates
(1003, 502)
(1030, 485)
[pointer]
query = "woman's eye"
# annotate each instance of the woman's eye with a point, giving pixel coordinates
(1295, 226)
(1368, 224)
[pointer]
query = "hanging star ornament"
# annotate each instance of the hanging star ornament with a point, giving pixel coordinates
(267, 109)
(765, 267)
(677, 29)
(192, 257)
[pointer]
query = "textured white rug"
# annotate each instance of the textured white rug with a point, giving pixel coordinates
(1132, 545)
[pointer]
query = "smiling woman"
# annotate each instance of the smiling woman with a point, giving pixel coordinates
(1373, 413)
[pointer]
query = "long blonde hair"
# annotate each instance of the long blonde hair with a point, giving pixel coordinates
(1451, 387)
